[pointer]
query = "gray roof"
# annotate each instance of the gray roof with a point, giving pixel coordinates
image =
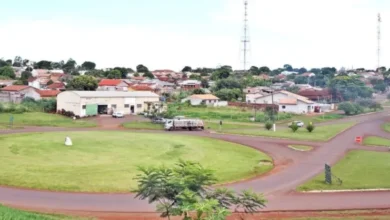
(108, 94)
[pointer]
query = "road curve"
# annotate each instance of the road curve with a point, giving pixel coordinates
(292, 169)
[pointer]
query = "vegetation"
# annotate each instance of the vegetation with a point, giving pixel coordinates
(386, 127)
(310, 127)
(185, 189)
(358, 170)
(322, 133)
(268, 125)
(42, 119)
(294, 127)
(13, 214)
(300, 147)
(350, 108)
(376, 141)
(98, 156)
(29, 105)
(85, 82)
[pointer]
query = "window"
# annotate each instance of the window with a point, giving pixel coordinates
(113, 106)
(127, 105)
(283, 107)
(84, 107)
(139, 105)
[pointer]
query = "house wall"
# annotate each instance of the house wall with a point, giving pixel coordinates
(268, 99)
(106, 88)
(299, 108)
(251, 98)
(35, 84)
(69, 101)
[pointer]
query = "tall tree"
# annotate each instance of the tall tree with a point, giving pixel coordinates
(43, 64)
(7, 71)
(3, 63)
(113, 74)
(148, 75)
(69, 66)
(186, 188)
(254, 70)
(56, 65)
(25, 76)
(88, 65)
(288, 67)
(186, 69)
(9, 62)
(264, 69)
(18, 61)
(142, 69)
(124, 71)
(88, 83)
(302, 70)
(204, 83)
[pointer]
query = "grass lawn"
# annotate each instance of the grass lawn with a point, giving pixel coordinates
(143, 125)
(13, 214)
(376, 141)
(320, 133)
(43, 119)
(313, 118)
(358, 170)
(300, 147)
(101, 161)
(386, 127)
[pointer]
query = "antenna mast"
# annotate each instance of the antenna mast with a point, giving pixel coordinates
(379, 40)
(245, 39)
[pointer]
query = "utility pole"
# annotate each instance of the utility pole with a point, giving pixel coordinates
(379, 41)
(245, 39)
(273, 113)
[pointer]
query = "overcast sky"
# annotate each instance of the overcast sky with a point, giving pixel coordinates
(170, 34)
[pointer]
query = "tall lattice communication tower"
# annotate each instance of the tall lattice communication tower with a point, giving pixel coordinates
(379, 41)
(245, 38)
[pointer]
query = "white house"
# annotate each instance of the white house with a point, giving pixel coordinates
(112, 85)
(288, 102)
(206, 99)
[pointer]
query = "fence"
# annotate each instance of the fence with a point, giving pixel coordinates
(252, 105)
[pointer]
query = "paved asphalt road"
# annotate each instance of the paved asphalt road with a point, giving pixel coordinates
(291, 169)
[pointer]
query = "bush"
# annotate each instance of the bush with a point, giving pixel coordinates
(268, 125)
(348, 108)
(310, 127)
(294, 127)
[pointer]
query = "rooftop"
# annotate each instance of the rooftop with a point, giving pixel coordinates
(205, 97)
(48, 93)
(113, 94)
(56, 85)
(109, 82)
(15, 88)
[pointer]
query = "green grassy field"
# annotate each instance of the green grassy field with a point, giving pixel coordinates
(14, 214)
(108, 161)
(358, 170)
(300, 147)
(313, 118)
(386, 127)
(225, 113)
(376, 141)
(321, 133)
(42, 119)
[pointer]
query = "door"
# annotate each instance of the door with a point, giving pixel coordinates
(132, 109)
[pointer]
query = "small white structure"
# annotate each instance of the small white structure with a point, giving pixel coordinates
(68, 141)
(206, 99)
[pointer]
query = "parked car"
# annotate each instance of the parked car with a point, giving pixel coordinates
(298, 123)
(158, 120)
(117, 115)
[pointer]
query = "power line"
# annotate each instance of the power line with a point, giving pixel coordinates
(379, 40)
(245, 40)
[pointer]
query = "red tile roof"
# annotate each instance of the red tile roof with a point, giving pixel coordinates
(56, 85)
(14, 88)
(48, 93)
(32, 79)
(109, 82)
(141, 88)
(138, 78)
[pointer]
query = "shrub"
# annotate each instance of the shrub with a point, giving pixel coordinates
(294, 127)
(310, 127)
(268, 125)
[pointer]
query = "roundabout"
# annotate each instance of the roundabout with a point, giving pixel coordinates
(292, 169)
(108, 161)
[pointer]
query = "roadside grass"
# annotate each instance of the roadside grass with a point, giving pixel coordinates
(371, 217)
(376, 141)
(228, 113)
(387, 103)
(300, 147)
(226, 126)
(321, 133)
(386, 127)
(7, 213)
(42, 119)
(358, 170)
(313, 118)
(108, 161)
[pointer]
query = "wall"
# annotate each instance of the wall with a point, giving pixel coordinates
(250, 98)
(35, 84)
(299, 108)
(8, 97)
(268, 99)
(70, 102)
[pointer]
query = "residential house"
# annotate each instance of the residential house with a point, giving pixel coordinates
(252, 93)
(308, 74)
(315, 94)
(289, 102)
(112, 85)
(16, 93)
(138, 87)
(18, 71)
(60, 86)
(262, 77)
(36, 72)
(206, 99)
(303, 86)
(286, 73)
(6, 82)
(188, 85)
(48, 94)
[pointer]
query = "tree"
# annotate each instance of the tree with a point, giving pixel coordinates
(136, 74)
(254, 70)
(88, 83)
(88, 65)
(293, 89)
(142, 69)
(379, 85)
(18, 82)
(264, 69)
(185, 188)
(148, 75)
(113, 74)
(229, 83)
(69, 66)
(7, 71)
(194, 76)
(381, 69)
(204, 83)
(229, 94)
(124, 71)
(18, 61)
(186, 69)
(350, 88)
(198, 91)
(301, 80)
(56, 65)
(287, 67)
(3, 63)
(25, 76)
(294, 127)
(348, 108)
(43, 64)
(25, 62)
(49, 82)
(221, 73)
(302, 70)
(9, 62)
